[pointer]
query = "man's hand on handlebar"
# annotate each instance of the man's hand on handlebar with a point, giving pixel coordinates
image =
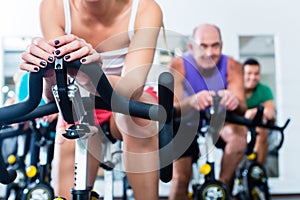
(229, 100)
(204, 99)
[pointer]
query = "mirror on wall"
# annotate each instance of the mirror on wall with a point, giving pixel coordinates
(262, 48)
(12, 47)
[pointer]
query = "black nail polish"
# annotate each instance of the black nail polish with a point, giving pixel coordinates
(43, 63)
(83, 60)
(50, 58)
(67, 57)
(56, 42)
(36, 69)
(57, 52)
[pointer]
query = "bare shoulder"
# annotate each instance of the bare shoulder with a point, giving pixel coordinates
(150, 13)
(234, 65)
(149, 5)
(52, 16)
(51, 5)
(176, 65)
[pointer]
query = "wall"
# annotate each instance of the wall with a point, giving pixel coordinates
(235, 17)
(17, 18)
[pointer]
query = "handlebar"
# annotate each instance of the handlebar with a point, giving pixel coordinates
(237, 119)
(110, 98)
(13, 132)
(9, 113)
(232, 117)
(35, 90)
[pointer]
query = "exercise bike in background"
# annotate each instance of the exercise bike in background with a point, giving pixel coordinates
(31, 159)
(251, 181)
(209, 126)
(18, 138)
(208, 187)
(40, 169)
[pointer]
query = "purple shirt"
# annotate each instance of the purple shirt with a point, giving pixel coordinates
(195, 82)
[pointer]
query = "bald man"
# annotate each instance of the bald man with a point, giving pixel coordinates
(200, 73)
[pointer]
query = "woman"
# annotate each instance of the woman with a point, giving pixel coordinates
(120, 34)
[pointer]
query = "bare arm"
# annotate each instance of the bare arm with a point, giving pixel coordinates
(235, 86)
(40, 51)
(269, 110)
(176, 68)
(141, 51)
(137, 63)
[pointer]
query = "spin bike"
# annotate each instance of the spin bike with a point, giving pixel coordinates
(20, 112)
(40, 169)
(77, 111)
(251, 181)
(209, 126)
(16, 159)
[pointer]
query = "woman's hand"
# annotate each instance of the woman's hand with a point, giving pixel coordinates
(37, 55)
(71, 47)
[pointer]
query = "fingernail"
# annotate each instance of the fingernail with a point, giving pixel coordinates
(67, 57)
(36, 69)
(83, 60)
(43, 63)
(56, 42)
(50, 59)
(57, 52)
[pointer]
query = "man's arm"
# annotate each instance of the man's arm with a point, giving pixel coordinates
(269, 110)
(181, 104)
(235, 84)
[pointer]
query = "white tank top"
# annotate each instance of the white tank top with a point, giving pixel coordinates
(113, 61)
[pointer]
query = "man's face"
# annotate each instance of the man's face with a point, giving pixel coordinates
(206, 47)
(251, 76)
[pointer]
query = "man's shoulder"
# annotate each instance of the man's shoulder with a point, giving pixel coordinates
(176, 64)
(233, 65)
(233, 62)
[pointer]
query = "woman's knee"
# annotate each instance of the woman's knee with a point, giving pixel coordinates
(135, 127)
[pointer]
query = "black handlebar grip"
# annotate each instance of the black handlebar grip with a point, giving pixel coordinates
(35, 91)
(166, 98)
(40, 111)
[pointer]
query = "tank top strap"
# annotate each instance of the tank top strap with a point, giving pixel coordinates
(68, 21)
(134, 9)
